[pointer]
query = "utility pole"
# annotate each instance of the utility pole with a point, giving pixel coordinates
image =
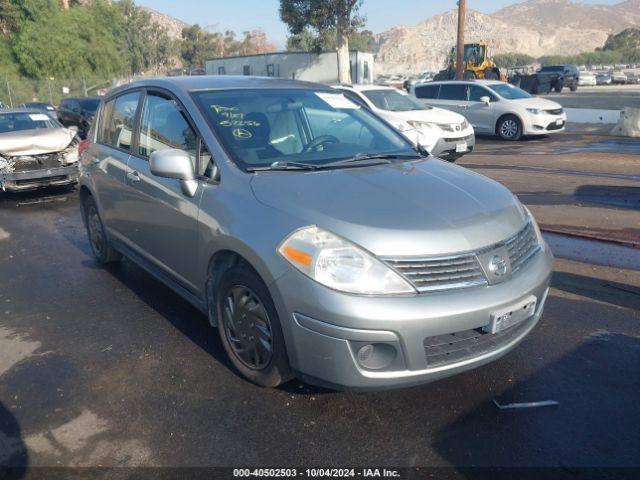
(9, 92)
(462, 15)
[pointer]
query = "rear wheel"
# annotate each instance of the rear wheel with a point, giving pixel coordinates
(509, 128)
(249, 328)
(558, 87)
(100, 246)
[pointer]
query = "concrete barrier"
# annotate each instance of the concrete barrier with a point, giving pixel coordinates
(628, 124)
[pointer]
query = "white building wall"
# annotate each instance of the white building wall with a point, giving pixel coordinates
(321, 68)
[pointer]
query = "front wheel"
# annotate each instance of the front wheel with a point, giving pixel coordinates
(249, 328)
(509, 128)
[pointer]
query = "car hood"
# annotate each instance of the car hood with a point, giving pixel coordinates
(425, 207)
(35, 142)
(537, 102)
(434, 115)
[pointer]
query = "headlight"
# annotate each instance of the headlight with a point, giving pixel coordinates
(403, 127)
(339, 264)
(535, 111)
(420, 125)
(535, 226)
(465, 124)
(4, 165)
(71, 156)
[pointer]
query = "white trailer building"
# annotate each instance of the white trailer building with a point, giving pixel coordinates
(312, 67)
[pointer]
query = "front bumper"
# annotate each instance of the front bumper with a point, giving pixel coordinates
(34, 179)
(448, 145)
(544, 124)
(325, 330)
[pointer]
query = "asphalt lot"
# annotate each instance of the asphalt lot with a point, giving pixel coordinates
(607, 97)
(107, 367)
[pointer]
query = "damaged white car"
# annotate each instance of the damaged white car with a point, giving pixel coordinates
(36, 151)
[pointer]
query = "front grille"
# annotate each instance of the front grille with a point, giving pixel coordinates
(36, 162)
(429, 274)
(557, 111)
(434, 274)
(456, 347)
(555, 126)
(522, 247)
(459, 139)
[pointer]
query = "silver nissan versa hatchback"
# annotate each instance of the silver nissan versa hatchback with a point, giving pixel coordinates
(318, 241)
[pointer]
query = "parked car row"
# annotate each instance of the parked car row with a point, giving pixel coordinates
(495, 108)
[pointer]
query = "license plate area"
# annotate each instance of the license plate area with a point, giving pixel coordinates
(510, 316)
(461, 147)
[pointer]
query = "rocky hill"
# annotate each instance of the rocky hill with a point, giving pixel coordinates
(534, 27)
(172, 25)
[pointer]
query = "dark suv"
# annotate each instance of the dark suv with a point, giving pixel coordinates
(78, 112)
(561, 76)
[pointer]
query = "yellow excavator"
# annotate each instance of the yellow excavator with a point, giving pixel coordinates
(478, 64)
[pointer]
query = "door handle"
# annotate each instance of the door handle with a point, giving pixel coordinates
(133, 176)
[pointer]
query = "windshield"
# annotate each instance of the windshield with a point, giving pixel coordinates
(552, 68)
(13, 122)
(393, 101)
(261, 127)
(508, 91)
(43, 106)
(90, 104)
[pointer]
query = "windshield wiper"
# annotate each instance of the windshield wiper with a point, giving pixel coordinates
(372, 159)
(283, 166)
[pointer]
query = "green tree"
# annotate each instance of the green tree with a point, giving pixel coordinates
(198, 45)
(512, 60)
(307, 41)
(321, 16)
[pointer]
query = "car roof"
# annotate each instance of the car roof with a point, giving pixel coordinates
(20, 110)
(365, 88)
(218, 82)
(465, 82)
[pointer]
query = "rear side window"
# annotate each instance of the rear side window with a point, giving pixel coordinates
(453, 92)
(164, 126)
(427, 91)
(117, 122)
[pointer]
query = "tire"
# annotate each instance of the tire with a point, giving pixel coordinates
(557, 87)
(573, 87)
(469, 75)
(509, 128)
(98, 240)
(249, 328)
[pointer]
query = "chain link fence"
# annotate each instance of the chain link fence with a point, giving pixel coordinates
(15, 91)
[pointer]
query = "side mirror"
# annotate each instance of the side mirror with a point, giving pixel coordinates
(174, 163)
(73, 128)
(486, 100)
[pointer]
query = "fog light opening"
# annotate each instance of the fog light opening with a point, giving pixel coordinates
(376, 356)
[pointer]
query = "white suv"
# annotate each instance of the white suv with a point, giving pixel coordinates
(494, 107)
(443, 133)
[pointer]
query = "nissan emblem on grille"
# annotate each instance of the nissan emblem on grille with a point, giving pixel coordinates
(498, 266)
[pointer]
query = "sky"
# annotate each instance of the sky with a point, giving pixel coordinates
(243, 15)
